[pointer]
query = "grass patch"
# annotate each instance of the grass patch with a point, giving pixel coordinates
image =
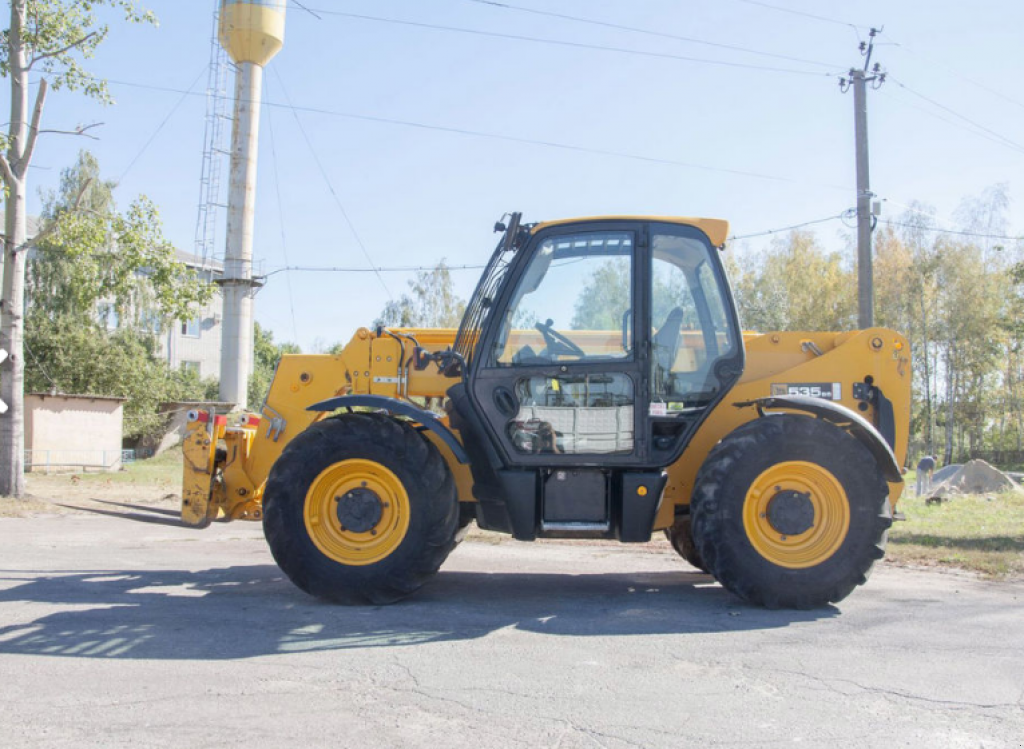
(979, 533)
(149, 479)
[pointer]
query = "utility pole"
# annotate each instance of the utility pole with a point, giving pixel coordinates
(858, 80)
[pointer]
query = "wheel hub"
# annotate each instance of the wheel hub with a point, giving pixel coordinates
(359, 510)
(791, 513)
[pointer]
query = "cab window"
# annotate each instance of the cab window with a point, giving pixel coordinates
(573, 303)
(690, 325)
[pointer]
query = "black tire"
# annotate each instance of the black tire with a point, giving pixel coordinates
(680, 536)
(432, 509)
(738, 465)
(467, 516)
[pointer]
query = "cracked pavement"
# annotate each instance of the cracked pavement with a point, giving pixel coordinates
(115, 633)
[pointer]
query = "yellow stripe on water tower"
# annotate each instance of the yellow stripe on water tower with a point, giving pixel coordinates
(252, 30)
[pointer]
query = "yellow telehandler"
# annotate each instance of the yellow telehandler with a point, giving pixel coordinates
(599, 386)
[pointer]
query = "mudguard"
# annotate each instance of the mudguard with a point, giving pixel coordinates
(396, 407)
(843, 417)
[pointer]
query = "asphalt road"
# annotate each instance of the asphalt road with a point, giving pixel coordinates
(118, 633)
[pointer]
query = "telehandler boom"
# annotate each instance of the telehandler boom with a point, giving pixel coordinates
(599, 386)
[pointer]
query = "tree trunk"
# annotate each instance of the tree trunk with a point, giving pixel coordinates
(929, 420)
(12, 371)
(950, 397)
(1018, 414)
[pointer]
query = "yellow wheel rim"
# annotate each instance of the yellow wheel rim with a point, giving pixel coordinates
(370, 499)
(796, 514)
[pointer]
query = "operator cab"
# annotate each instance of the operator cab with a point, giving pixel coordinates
(590, 352)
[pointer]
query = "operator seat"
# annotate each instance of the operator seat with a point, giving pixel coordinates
(665, 348)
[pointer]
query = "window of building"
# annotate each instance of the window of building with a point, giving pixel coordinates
(149, 322)
(190, 328)
(106, 313)
(190, 366)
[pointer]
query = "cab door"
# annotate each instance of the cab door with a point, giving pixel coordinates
(696, 349)
(561, 372)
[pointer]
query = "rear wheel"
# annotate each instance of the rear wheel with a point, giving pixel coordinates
(790, 511)
(360, 509)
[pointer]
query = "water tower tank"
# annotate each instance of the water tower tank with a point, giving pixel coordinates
(252, 30)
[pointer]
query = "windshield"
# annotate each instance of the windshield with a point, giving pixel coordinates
(487, 290)
(573, 302)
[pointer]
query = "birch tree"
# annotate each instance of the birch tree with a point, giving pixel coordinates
(50, 39)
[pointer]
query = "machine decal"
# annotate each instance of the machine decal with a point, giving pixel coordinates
(830, 391)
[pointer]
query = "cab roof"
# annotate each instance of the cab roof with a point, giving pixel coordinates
(717, 229)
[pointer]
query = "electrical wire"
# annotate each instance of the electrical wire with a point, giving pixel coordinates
(918, 210)
(377, 269)
(566, 43)
(947, 120)
(978, 235)
(650, 32)
(1012, 144)
(952, 71)
(39, 364)
(791, 11)
(838, 216)
(160, 127)
(512, 139)
(427, 268)
(280, 218)
(327, 180)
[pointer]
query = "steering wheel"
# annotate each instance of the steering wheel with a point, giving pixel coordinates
(556, 342)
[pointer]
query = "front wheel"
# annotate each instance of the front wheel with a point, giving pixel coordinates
(790, 512)
(360, 509)
(680, 536)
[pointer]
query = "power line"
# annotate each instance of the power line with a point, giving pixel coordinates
(950, 121)
(952, 71)
(160, 127)
(510, 139)
(427, 268)
(791, 11)
(786, 228)
(280, 217)
(649, 32)
(1016, 146)
(327, 180)
(566, 43)
(978, 235)
(376, 269)
(39, 364)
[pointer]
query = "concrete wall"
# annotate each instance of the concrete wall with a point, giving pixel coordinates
(73, 432)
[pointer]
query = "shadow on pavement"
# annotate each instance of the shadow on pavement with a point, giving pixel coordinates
(247, 611)
(139, 514)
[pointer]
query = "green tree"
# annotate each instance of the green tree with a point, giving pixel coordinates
(266, 355)
(796, 285)
(430, 303)
(48, 38)
(606, 291)
(91, 361)
(91, 253)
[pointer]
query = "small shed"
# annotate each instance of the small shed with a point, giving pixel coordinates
(73, 432)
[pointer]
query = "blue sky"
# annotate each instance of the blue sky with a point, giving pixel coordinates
(776, 147)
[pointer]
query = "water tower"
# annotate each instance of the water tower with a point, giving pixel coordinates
(252, 32)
